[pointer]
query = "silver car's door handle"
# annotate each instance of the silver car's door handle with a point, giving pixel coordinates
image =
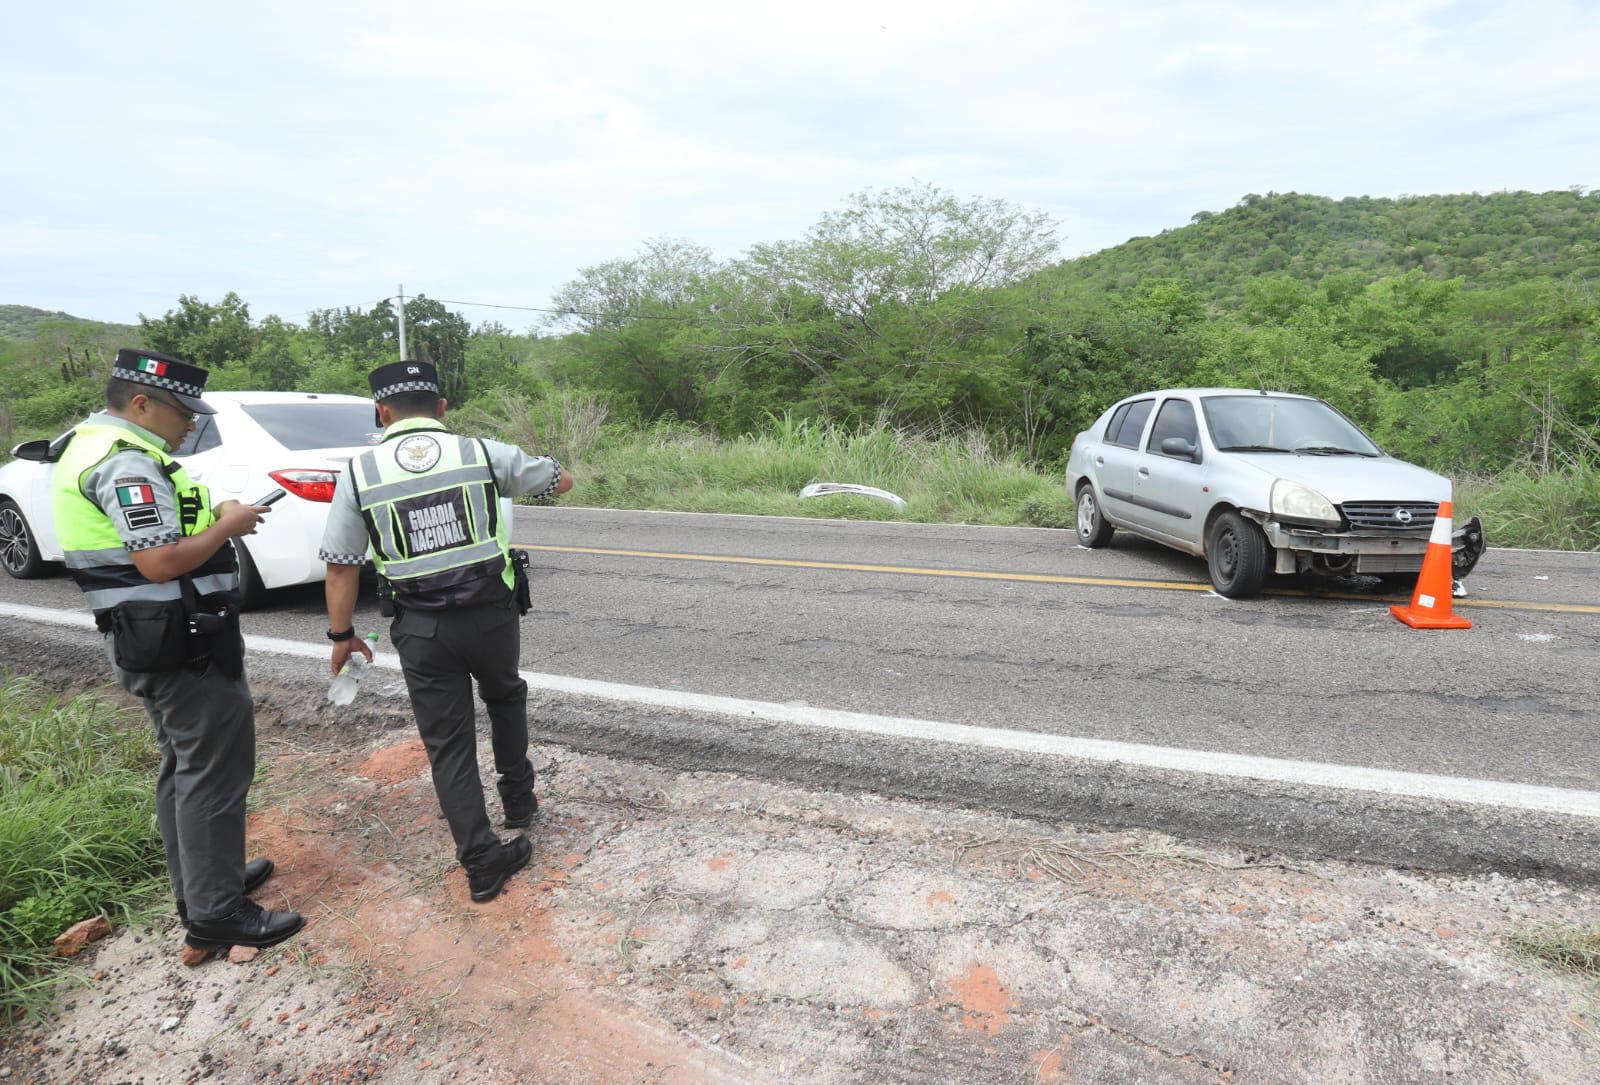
(1144, 472)
(1099, 461)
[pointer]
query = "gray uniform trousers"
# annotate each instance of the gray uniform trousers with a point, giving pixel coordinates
(206, 729)
(441, 652)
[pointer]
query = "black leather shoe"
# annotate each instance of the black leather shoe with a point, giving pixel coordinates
(256, 873)
(249, 925)
(520, 810)
(488, 878)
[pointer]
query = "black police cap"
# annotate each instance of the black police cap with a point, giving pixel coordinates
(184, 382)
(397, 377)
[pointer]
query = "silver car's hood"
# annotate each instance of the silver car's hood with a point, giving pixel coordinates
(1351, 478)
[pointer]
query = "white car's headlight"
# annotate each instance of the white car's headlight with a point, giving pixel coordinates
(1293, 501)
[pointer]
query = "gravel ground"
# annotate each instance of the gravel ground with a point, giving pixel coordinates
(711, 927)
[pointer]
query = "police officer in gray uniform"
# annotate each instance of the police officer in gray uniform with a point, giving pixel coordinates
(427, 504)
(156, 565)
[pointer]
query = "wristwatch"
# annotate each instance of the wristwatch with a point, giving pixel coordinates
(348, 634)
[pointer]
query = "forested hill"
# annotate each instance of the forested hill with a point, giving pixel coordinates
(26, 322)
(1496, 240)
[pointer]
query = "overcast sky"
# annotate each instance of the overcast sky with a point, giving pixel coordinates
(315, 155)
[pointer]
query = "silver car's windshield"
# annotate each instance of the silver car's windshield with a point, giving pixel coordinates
(1273, 424)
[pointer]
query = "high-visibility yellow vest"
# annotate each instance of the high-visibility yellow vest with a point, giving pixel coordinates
(432, 511)
(94, 553)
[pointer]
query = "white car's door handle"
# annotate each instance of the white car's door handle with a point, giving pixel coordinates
(1099, 461)
(1144, 472)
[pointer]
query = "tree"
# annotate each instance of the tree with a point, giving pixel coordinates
(911, 246)
(667, 275)
(369, 336)
(209, 335)
(435, 334)
(909, 283)
(644, 318)
(275, 364)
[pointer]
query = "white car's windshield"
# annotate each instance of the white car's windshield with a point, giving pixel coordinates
(1273, 424)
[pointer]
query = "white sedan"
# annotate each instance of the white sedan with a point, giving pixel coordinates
(257, 442)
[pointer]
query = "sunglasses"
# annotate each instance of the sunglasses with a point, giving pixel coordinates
(183, 412)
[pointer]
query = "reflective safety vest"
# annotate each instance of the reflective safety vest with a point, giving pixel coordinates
(100, 564)
(432, 511)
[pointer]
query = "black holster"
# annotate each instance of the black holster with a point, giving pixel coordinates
(385, 598)
(519, 572)
(215, 637)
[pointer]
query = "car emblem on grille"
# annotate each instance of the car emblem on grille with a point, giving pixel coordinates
(1403, 515)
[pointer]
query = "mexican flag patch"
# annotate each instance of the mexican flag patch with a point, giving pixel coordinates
(130, 496)
(153, 367)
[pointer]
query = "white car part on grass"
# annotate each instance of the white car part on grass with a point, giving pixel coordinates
(823, 489)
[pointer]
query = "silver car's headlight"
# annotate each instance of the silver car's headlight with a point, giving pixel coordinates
(1292, 501)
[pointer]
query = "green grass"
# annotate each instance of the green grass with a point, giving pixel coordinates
(1554, 510)
(958, 478)
(1562, 945)
(78, 834)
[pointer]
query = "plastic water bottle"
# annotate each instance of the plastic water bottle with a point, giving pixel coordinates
(342, 690)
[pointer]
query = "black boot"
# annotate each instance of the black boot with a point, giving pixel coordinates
(249, 925)
(487, 878)
(256, 873)
(520, 809)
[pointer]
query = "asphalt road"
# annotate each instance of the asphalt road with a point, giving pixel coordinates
(1155, 659)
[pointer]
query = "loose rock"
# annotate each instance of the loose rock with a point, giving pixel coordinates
(71, 941)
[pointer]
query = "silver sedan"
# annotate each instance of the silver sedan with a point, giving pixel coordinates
(1258, 482)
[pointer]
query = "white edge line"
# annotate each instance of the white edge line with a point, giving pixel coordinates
(1553, 800)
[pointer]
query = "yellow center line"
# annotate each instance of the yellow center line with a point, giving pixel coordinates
(1026, 578)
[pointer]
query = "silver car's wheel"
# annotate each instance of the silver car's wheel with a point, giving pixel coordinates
(1236, 554)
(18, 552)
(1093, 531)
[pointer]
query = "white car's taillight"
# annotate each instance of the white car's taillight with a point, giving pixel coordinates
(310, 485)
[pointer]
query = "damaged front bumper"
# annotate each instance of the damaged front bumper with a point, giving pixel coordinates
(1308, 549)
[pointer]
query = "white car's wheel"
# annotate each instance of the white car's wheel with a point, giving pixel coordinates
(252, 592)
(19, 553)
(1093, 531)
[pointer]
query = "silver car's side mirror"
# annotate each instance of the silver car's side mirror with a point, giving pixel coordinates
(1183, 450)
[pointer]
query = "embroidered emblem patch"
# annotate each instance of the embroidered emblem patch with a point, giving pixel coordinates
(136, 494)
(417, 453)
(137, 500)
(145, 516)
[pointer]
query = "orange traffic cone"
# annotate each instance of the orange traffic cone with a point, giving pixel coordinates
(1430, 602)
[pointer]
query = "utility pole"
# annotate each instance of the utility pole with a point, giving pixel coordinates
(402, 322)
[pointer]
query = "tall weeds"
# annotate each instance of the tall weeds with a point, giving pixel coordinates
(566, 424)
(78, 834)
(956, 476)
(1555, 510)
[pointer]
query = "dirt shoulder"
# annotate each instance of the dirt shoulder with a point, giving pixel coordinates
(709, 927)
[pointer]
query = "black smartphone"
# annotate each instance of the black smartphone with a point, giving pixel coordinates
(270, 498)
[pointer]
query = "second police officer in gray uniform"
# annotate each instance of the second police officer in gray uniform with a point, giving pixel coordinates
(427, 503)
